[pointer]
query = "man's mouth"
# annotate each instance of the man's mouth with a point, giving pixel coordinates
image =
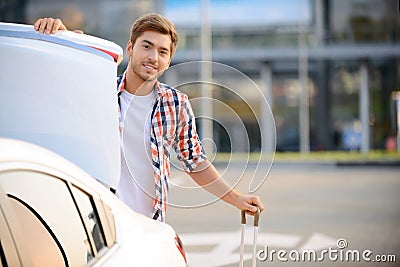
(149, 67)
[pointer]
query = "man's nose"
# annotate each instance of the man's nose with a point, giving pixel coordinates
(153, 55)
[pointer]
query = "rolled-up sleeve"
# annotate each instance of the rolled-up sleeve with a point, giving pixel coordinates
(188, 147)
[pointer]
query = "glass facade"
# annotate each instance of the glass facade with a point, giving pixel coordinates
(341, 27)
(360, 23)
(364, 21)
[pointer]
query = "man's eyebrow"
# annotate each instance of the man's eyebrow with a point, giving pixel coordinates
(148, 42)
(152, 44)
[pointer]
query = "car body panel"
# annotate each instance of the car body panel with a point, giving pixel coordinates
(58, 93)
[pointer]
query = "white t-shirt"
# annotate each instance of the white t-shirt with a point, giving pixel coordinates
(136, 186)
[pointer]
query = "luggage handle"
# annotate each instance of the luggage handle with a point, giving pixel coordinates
(256, 216)
(256, 219)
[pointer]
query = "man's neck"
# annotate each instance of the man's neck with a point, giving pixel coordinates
(137, 86)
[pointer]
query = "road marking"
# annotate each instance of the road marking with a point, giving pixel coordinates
(223, 247)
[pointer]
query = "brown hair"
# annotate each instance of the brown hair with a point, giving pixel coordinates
(154, 22)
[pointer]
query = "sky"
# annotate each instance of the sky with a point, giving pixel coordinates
(240, 12)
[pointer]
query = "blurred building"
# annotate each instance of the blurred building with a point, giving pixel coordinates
(350, 49)
(352, 53)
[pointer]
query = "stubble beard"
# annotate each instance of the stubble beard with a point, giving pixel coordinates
(144, 77)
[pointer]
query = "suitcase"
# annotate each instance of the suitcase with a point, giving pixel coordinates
(256, 218)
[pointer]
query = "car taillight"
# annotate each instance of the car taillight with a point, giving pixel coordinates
(117, 58)
(179, 245)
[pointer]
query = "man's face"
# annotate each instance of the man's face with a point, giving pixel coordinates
(151, 54)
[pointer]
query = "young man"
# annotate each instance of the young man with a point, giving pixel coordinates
(162, 119)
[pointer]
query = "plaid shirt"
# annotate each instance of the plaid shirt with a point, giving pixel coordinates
(172, 126)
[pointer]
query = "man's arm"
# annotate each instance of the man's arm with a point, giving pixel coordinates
(194, 162)
(207, 177)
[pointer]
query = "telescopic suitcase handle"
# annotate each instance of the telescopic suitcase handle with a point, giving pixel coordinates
(256, 216)
(256, 219)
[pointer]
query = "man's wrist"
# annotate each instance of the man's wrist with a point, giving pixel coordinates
(231, 197)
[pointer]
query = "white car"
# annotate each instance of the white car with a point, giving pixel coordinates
(55, 214)
(60, 154)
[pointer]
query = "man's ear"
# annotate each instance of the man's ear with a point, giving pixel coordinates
(129, 48)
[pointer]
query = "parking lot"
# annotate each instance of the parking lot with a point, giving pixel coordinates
(313, 207)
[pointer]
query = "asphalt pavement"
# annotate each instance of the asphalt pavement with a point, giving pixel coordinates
(316, 214)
